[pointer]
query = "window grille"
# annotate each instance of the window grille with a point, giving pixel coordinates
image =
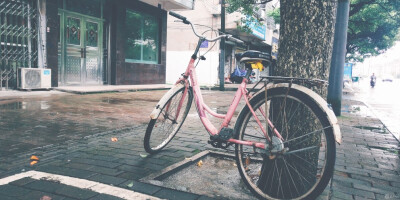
(18, 38)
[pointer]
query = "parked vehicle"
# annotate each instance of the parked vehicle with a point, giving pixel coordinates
(387, 78)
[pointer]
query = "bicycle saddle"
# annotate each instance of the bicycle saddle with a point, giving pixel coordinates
(252, 55)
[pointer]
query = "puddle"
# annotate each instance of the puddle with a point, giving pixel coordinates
(31, 105)
(360, 110)
(218, 177)
(115, 100)
(380, 130)
(391, 150)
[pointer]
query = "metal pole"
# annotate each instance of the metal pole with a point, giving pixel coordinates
(338, 57)
(221, 71)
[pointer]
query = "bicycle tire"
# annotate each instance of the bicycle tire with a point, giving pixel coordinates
(272, 178)
(152, 142)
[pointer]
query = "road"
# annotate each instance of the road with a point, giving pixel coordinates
(383, 99)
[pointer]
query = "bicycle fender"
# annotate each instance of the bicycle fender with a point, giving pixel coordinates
(320, 101)
(156, 111)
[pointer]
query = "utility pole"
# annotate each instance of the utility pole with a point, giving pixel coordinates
(338, 57)
(221, 70)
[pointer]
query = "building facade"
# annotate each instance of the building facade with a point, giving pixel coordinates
(88, 42)
(207, 15)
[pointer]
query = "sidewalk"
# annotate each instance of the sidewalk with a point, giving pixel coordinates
(71, 134)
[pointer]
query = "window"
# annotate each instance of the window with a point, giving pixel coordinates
(142, 43)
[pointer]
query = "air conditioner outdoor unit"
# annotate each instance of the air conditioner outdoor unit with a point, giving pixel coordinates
(34, 78)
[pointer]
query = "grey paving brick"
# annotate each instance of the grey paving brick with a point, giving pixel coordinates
(7, 198)
(134, 169)
(74, 192)
(386, 187)
(395, 184)
(36, 195)
(371, 179)
(100, 163)
(78, 173)
(141, 187)
(341, 195)
(133, 176)
(45, 186)
(106, 171)
(355, 192)
(371, 189)
(107, 179)
(154, 167)
(159, 161)
(23, 181)
(174, 194)
(205, 198)
(105, 197)
(348, 180)
(13, 191)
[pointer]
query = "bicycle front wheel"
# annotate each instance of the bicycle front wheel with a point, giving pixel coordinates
(297, 167)
(161, 131)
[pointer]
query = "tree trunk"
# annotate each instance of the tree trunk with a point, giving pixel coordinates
(306, 39)
(305, 50)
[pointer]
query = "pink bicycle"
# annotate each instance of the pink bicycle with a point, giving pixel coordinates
(284, 136)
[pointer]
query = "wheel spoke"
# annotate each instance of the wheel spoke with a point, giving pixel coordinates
(297, 172)
(163, 129)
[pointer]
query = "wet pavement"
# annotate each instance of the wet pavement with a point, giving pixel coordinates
(383, 100)
(71, 134)
(26, 123)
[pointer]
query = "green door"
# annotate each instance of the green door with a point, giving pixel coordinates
(80, 49)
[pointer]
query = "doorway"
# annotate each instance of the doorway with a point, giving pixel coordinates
(80, 49)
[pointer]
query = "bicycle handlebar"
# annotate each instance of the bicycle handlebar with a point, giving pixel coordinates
(185, 21)
(231, 38)
(179, 17)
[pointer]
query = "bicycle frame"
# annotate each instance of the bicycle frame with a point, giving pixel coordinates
(202, 108)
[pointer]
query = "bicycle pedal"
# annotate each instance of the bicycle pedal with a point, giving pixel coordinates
(224, 135)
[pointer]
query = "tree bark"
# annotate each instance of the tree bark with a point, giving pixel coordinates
(305, 50)
(306, 39)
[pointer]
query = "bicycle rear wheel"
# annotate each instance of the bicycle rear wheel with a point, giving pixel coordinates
(306, 160)
(161, 131)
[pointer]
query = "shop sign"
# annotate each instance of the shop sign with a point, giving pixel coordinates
(348, 69)
(275, 45)
(258, 30)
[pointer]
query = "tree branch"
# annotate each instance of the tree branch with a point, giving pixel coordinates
(355, 8)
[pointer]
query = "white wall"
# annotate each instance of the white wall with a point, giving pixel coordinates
(181, 43)
(207, 70)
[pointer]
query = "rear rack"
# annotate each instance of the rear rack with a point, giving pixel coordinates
(281, 79)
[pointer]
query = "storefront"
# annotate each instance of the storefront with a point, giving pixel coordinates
(117, 42)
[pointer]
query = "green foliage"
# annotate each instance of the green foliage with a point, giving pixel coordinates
(373, 27)
(276, 15)
(248, 8)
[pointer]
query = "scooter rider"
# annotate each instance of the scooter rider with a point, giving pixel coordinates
(373, 80)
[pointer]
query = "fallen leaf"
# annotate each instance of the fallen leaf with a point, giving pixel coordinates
(130, 184)
(114, 139)
(45, 198)
(200, 163)
(143, 155)
(34, 157)
(34, 162)
(247, 161)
